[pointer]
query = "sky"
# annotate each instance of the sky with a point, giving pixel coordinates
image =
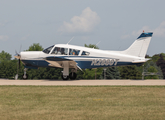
(116, 24)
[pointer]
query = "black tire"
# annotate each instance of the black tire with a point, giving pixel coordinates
(64, 78)
(24, 77)
(72, 75)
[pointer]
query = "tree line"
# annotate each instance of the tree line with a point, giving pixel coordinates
(155, 68)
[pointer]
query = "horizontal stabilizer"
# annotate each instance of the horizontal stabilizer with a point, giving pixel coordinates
(140, 61)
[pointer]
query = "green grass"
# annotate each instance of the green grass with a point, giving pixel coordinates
(83, 103)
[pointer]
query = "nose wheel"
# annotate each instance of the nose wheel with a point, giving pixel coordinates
(25, 77)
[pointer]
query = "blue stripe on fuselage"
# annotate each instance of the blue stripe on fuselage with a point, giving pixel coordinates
(87, 64)
(82, 64)
(36, 63)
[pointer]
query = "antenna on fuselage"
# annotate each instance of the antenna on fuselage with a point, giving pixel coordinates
(96, 44)
(70, 40)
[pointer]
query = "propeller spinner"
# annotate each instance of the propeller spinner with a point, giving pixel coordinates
(18, 56)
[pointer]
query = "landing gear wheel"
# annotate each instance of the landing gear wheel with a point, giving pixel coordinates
(64, 77)
(72, 75)
(25, 76)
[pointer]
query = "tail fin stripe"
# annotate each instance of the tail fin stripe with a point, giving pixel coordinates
(145, 35)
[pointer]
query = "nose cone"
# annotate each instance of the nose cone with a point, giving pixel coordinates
(30, 54)
(18, 57)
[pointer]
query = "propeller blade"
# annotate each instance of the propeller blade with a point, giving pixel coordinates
(20, 48)
(19, 63)
(16, 52)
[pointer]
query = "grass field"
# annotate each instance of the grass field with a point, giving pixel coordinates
(82, 102)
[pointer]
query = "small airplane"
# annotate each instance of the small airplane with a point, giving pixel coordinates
(73, 57)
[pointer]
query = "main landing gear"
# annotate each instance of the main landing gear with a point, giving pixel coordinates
(72, 75)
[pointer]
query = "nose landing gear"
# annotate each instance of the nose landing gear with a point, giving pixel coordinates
(25, 76)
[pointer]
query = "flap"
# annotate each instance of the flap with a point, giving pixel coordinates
(54, 64)
(58, 62)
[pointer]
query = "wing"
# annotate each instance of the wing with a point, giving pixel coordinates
(59, 62)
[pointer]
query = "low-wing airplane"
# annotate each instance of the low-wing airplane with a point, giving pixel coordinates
(76, 57)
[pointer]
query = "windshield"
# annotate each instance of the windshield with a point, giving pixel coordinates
(47, 50)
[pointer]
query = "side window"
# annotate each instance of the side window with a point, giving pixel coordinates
(64, 51)
(60, 51)
(74, 52)
(85, 53)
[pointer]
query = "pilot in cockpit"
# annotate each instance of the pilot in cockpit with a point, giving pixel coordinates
(57, 51)
(70, 51)
(62, 51)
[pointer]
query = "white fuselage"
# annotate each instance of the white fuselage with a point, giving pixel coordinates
(95, 58)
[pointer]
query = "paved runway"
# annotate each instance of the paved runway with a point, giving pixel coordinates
(81, 82)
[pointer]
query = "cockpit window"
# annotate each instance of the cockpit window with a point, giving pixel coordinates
(47, 50)
(74, 52)
(60, 51)
(85, 53)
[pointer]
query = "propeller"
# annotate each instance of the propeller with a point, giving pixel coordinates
(19, 63)
(18, 56)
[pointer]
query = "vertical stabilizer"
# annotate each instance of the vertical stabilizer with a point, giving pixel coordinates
(140, 46)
